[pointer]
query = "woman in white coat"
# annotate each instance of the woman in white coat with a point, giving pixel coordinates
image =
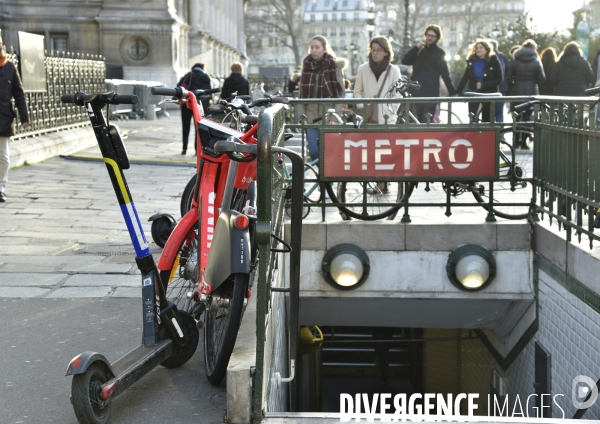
(375, 77)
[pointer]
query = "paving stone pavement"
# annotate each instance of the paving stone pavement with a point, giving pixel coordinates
(62, 234)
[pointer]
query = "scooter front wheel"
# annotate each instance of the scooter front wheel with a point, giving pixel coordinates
(87, 402)
(221, 324)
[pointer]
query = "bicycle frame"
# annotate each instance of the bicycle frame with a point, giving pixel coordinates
(207, 200)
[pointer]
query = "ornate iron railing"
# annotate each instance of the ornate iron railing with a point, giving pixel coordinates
(66, 73)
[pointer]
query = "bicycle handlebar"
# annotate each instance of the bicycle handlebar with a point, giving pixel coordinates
(476, 94)
(592, 91)
(179, 91)
(103, 98)
(527, 105)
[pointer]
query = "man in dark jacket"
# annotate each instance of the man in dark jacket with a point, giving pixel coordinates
(195, 80)
(10, 86)
(504, 62)
(235, 83)
(429, 63)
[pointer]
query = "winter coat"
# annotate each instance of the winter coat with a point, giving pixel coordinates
(313, 111)
(235, 83)
(366, 85)
(525, 73)
(571, 75)
(199, 81)
(505, 64)
(429, 63)
(490, 81)
(547, 87)
(10, 86)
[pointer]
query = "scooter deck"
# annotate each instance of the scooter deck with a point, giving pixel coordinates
(137, 363)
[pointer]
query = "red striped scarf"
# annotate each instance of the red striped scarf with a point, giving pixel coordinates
(328, 87)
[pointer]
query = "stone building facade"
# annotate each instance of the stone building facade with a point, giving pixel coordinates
(141, 39)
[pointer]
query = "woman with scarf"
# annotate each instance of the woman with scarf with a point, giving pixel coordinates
(322, 78)
(483, 75)
(375, 77)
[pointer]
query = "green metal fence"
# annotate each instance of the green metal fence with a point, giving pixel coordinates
(277, 306)
(566, 164)
(453, 117)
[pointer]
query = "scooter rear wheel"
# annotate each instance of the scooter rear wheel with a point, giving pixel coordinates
(182, 354)
(86, 390)
(221, 324)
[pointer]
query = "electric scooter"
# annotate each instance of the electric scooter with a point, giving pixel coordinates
(169, 336)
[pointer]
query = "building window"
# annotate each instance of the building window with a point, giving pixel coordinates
(324, 32)
(453, 25)
(343, 45)
(59, 42)
(332, 31)
(270, 28)
(355, 16)
(334, 17)
(342, 31)
(333, 45)
(327, 2)
(355, 31)
(324, 17)
(343, 17)
(345, 3)
(312, 17)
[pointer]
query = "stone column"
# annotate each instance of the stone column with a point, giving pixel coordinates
(195, 14)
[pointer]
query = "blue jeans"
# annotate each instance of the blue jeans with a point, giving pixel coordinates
(500, 112)
(312, 140)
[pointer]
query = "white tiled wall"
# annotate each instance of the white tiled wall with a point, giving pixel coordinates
(570, 331)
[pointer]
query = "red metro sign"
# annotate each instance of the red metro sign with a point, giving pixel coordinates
(435, 154)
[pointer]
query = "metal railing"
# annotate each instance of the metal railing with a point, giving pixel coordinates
(451, 121)
(65, 73)
(566, 164)
(563, 183)
(276, 318)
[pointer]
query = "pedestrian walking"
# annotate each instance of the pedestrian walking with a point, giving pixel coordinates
(548, 59)
(294, 81)
(235, 83)
(504, 62)
(483, 75)
(572, 74)
(322, 78)
(373, 80)
(428, 63)
(196, 79)
(525, 72)
(10, 87)
(596, 68)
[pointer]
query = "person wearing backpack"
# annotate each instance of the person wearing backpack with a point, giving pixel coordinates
(197, 79)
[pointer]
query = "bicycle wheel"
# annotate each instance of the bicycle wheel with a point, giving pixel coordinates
(221, 324)
(444, 117)
(370, 193)
(312, 191)
(186, 198)
(504, 191)
(182, 276)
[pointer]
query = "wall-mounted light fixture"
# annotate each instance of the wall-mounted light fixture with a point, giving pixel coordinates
(345, 266)
(471, 267)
